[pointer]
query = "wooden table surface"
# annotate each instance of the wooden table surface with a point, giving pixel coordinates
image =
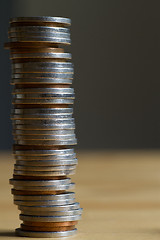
(119, 191)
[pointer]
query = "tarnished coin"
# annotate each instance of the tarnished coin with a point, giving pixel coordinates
(40, 116)
(38, 111)
(47, 142)
(43, 132)
(42, 70)
(45, 137)
(44, 101)
(24, 233)
(43, 122)
(43, 90)
(44, 126)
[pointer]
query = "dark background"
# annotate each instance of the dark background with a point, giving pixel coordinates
(116, 53)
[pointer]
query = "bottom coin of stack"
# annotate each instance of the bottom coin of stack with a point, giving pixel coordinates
(47, 203)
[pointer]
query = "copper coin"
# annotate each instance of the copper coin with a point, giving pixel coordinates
(47, 229)
(50, 224)
(38, 177)
(19, 192)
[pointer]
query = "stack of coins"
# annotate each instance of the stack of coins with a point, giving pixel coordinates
(43, 126)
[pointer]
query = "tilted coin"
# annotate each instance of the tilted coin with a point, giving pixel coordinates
(24, 233)
(62, 20)
(62, 196)
(41, 173)
(50, 219)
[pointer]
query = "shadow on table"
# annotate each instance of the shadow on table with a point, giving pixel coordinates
(6, 233)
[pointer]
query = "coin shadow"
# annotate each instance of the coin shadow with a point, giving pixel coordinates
(6, 233)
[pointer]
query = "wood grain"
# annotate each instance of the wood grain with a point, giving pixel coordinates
(119, 191)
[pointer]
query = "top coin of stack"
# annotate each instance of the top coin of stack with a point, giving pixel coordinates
(43, 126)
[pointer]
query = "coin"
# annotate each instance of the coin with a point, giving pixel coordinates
(45, 137)
(43, 90)
(50, 219)
(43, 173)
(44, 152)
(20, 232)
(42, 75)
(44, 168)
(62, 20)
(52, 65)
(67, 207)
(44, 203)
(40, 183)
(39, 28)
(67, 195)
(54, 213)
(39, 34)
(47, 229)
(41, 81)
(31, 162)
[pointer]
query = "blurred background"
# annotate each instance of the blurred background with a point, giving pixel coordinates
(116, 51)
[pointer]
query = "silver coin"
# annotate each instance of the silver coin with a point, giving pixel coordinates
(43, 101)
(54, 213)
(40, 19)
(43, 173)
(49, 219)
(45, 157)
(38, 163)
(43, 90)
(41, 81)
(32, 234)
(40, 116)
(47, 142)
(44, 65)
(42, 70)
(65, 41)
(45, 127)
(44, 152)
(27, 96)
(43, 111)
(40, 209)
(39, 28)
(45, 183)
(42, 75)
(44, 137)
(61, 196)
(44, 168)
(38, 34)
(43, 132)
(41, 55)
(42, 122)
(44, 203)
(46, 188)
